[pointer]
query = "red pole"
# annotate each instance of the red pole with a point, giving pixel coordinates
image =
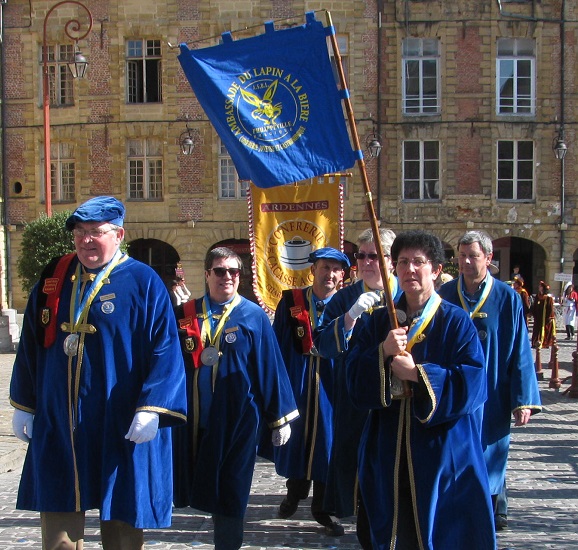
(572, 391)
(72, 25)
(539, 371)
(555, 381)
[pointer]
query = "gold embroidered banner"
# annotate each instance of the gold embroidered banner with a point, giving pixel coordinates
(286, 224)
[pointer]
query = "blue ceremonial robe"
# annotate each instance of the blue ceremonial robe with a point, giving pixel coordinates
(435, 433)
(306, 455)
(333, 341)
(214, 463)
(132, 362)
(510, 368)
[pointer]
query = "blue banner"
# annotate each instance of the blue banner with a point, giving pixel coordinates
(274, 102)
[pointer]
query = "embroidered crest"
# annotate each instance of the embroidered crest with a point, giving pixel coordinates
(190, 344)
(300, 332)
(230, 337)
(45, 316)
(50, 285)
(295, 311)
(185, 322)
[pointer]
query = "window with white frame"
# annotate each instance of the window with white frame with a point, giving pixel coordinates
(515, 74)
(144, 169)
(60, 90)
(229, 185)
(421, 170)
(62, 172)
(515, 170)
(421, 58)
(343, 45)
(143, 71)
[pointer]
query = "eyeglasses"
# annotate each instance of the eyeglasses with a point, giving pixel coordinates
(404, 263)
(222, 271)
(92, 233)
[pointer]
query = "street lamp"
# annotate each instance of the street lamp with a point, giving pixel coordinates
(560, 148)
(373, 144)
(77, 68)
(187, 142)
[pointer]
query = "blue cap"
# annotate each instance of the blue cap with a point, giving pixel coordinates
(329, 253)
(98, 209)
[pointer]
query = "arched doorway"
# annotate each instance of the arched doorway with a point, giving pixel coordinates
(162, 257)
(529, 256)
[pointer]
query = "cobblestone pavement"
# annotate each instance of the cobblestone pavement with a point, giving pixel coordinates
(542, 488)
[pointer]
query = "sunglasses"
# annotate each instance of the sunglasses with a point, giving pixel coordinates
(222, 271)
(372, 256)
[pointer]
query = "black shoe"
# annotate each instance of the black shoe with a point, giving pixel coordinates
(501, 522)
(334, 529)
(287, 508)
(332, 526)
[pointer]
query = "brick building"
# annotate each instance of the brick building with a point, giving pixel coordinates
(468, 99)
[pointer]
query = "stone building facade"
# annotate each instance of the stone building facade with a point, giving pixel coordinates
(466, 97)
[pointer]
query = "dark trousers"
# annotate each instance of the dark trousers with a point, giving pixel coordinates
(227, 532)
(362, 529)
(500, 502)
(298, 489)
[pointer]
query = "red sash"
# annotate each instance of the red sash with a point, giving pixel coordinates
(193, 342)
(51, 287)
(300, 313)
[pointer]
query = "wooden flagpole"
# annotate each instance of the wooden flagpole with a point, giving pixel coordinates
(369, 199)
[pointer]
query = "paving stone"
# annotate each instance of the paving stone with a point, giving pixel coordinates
(542, 488)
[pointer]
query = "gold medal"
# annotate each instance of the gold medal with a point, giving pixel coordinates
(71, 345)
(210, 356)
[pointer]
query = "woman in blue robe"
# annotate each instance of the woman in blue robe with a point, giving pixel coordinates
(333, 338)
(237, 387)
(421, 468)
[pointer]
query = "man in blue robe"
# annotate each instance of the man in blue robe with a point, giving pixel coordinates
(97, 373)
(343, 317)
(497, 313)
(237, 387)
(421, 467)
(304, 460)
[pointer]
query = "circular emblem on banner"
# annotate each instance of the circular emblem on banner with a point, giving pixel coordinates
(267, 109)
(288, 248)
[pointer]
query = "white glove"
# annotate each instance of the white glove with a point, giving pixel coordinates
(364, 302)
(281, 435)
(144, 427)
(22, 425)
